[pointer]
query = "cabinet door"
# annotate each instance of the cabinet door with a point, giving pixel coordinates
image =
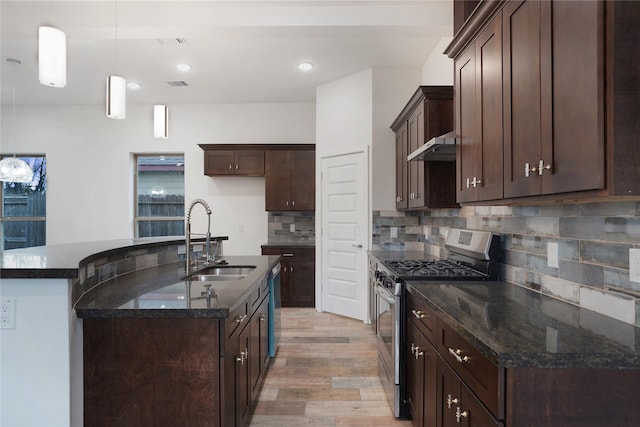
(415, 132)
(421, 377)
(301, 290)
(278, 179)
(236, 392)
(414, 374)
(479, 117)
(219, 162)
(249, 162)
(523, 96)
(448, 395)
(258, 349)
(575, 150)
(468, 155)
(243, 389)
(489, 92)
(303, 180)
(401, 168)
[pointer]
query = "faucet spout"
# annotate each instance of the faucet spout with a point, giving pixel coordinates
(189, 261)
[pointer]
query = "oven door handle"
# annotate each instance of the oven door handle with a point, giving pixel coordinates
(382, 292)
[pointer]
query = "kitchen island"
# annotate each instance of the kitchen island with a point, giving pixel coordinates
(116, 286)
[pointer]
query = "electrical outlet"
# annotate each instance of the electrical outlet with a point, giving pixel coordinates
(292, 228)
(8, 313)
(552, 254)
(394, 232)
(634, 265)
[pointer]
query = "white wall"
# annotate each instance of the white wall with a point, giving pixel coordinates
(392, 88)
(36, 385)
(438, 68)
(89, 164)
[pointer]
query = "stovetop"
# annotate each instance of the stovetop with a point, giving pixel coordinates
(439, 269)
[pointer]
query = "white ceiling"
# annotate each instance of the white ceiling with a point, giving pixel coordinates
(241, 51)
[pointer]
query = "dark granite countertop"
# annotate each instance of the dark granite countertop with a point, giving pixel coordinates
(517, 327)
(160, 292)
(62, 261)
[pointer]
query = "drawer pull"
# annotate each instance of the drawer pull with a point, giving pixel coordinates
(240, 319)
(419, 314)
(461, 414)
(263, 318)
(458, 355)
(451, 400)
(287, 254)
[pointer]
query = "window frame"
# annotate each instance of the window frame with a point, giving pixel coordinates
(9, 219)
(136, 217)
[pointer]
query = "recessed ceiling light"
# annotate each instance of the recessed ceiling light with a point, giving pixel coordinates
(183, 67)
(305, 66)
(133, 85)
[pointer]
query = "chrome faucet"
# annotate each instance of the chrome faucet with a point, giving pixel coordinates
(191, 263)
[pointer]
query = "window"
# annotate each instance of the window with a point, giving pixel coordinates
(24, 208)
(159, 196)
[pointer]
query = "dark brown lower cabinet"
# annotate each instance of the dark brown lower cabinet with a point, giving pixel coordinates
(456, 404)
(173, 372)
(450, 383)
(298, 274)
(421, 365)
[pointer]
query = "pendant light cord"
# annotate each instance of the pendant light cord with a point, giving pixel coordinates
(116, 34)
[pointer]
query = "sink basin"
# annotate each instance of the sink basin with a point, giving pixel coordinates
(221, 273)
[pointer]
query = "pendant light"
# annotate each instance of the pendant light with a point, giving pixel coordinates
(13, 169)
(52, 56)
(116, 88)
(160, 121)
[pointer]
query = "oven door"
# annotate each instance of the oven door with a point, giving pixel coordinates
(386, 329)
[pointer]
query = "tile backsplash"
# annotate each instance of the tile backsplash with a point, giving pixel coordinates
(593, 242)
(291, 227)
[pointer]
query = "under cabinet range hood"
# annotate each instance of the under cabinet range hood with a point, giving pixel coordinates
(439, 148)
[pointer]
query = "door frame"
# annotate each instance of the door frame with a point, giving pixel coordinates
(366, 241)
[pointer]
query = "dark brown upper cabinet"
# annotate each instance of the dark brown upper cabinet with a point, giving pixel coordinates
(424, 184)
(290, 175)
(564, 111)
(231, 159)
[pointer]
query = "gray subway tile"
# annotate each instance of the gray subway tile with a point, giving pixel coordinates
(588, 274)
(621, 208)
(582, 228)
(546, 226)
(604, 253)
(621, 229)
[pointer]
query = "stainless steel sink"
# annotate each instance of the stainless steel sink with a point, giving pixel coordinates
(221, 273)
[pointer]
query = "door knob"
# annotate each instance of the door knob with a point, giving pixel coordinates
(357, 245)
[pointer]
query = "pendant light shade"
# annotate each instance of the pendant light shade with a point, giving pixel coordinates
(52, 56)
(160, 121)
(116, 97)
(13, 169)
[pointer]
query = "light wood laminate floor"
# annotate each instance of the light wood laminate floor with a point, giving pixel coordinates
(325, 374)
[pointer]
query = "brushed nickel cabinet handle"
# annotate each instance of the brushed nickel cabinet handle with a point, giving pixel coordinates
(458, 355)
(542, 167)
(418, 314)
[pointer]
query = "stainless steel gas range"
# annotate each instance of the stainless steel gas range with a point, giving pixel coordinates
(472, 255)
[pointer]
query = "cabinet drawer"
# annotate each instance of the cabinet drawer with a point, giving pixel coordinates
(424, 317)
(290, 253)
(258, 294)
(483, 377)
(236, 321)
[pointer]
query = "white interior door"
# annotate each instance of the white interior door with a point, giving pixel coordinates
(345, 201)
